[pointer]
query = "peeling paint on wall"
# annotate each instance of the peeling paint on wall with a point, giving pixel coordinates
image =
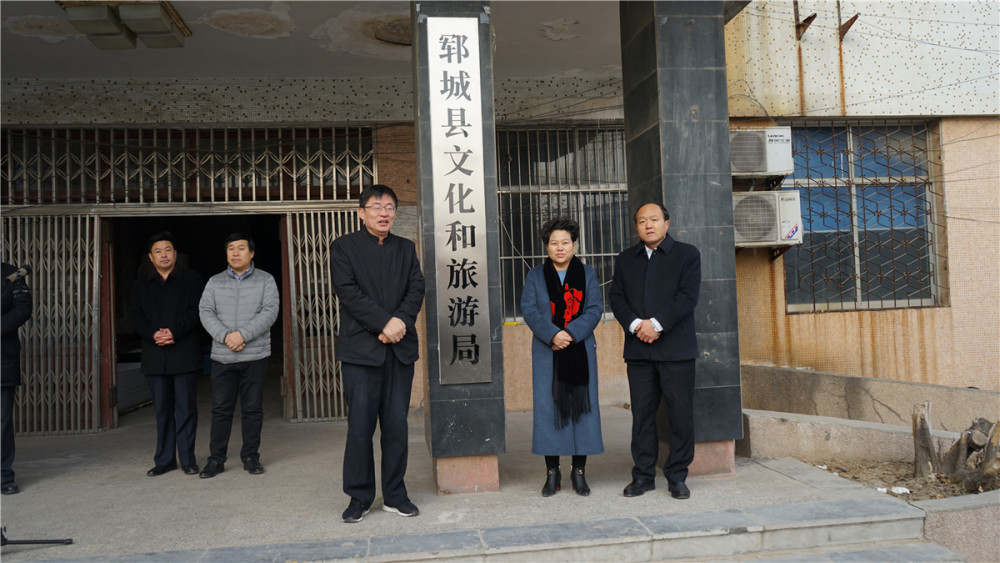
(559, 29)
(353, 31)
(258, 24)
(46, 28)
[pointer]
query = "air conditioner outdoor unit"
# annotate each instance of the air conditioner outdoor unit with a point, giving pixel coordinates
(767, 218)
(761, 151)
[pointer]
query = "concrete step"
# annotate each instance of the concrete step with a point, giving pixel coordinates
(875, 552)
(843, 530)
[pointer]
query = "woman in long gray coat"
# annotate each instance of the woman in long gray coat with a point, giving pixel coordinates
(562, 305)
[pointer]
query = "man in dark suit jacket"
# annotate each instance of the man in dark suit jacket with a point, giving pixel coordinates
(16, 306)
(381, 289)
(653, 295)
(165, 315)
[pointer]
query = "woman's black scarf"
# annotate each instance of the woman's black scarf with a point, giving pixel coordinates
(570, 367)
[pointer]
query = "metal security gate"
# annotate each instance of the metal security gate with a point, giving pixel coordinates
(60, 392)
(316, 386)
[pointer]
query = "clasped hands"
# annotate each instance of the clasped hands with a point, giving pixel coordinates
(561, 340)
(163, 337)
(234, 340)
(646, 332)
(393, 332)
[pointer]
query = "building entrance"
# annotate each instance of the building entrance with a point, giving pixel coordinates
(200, 242)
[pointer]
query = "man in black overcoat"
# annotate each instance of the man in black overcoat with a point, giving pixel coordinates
(165, 314)
(381, 289)
(16, 307)
(653, 295)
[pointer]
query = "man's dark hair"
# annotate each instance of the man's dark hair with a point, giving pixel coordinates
(560, 224)
(376, 191)
(165, 235)
(233, 237)
(635, 216)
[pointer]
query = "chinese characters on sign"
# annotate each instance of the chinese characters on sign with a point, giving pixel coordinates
(458, 186)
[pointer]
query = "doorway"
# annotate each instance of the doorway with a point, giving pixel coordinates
(200, 242)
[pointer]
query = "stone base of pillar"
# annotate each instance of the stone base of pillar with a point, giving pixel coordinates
(467, 474)
(710, 458)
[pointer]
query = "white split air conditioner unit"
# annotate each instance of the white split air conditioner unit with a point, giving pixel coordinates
(761, 151)
(771, 218)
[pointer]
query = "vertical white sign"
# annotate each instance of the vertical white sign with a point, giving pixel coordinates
(458, 187)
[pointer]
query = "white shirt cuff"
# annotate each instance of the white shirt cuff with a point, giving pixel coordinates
(656, 325)
(634, 325)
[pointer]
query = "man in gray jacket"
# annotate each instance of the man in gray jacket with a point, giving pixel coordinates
(237, 308)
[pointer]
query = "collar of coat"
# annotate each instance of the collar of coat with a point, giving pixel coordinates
(665, 246)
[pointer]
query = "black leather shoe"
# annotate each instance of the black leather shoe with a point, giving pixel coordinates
(190, 469)
(10, 488)
(212, 468)
(553, 482)
(637, 488)
(253, 466)
(161, 469)
(579, 482)
(679, 490)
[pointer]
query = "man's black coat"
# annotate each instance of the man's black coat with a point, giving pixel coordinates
(374, 283)
(169, 304)
(16, 311)
(668, 293)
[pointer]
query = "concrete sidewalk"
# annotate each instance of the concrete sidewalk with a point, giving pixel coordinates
(93, 488)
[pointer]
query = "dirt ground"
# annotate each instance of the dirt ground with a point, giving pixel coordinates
(889, 474)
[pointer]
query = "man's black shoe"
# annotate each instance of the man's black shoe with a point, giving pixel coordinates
(212, 468)
(10, 488)
(637, 488)
(191, 469)
(253, 466)
(679, 490)
(355, 512)
(161, 469)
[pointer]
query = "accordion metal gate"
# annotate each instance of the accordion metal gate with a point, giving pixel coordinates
(61, 383)
(315, 389)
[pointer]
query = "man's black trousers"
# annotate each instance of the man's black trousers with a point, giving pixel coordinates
(647, 382)
(377, 394)
(7, 423)
(247, 380)
(175, 401)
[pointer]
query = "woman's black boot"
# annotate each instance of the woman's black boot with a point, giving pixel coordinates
(579, 482)
(553, 482)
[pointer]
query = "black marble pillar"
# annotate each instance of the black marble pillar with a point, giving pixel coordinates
(677, 150)
(462, 419)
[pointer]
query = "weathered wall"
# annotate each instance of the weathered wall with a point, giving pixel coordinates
(941, 61)
(862, 398)
(957, 344)
(966, 524)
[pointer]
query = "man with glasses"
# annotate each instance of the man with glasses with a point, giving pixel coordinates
(380, 285)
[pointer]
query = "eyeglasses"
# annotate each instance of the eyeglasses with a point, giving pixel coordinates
(390, 209)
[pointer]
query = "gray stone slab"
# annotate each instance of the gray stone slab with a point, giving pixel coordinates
(426, 543)
(805, 512)
(567, 532)
(905, 553)
(724, 521)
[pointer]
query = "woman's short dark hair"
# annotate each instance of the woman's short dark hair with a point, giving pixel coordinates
(376, 191)
(560, 224)
(233, 237)
(165, 235)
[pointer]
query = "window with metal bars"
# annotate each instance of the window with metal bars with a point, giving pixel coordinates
(575, 172)
(45, 166)
(871, 233)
